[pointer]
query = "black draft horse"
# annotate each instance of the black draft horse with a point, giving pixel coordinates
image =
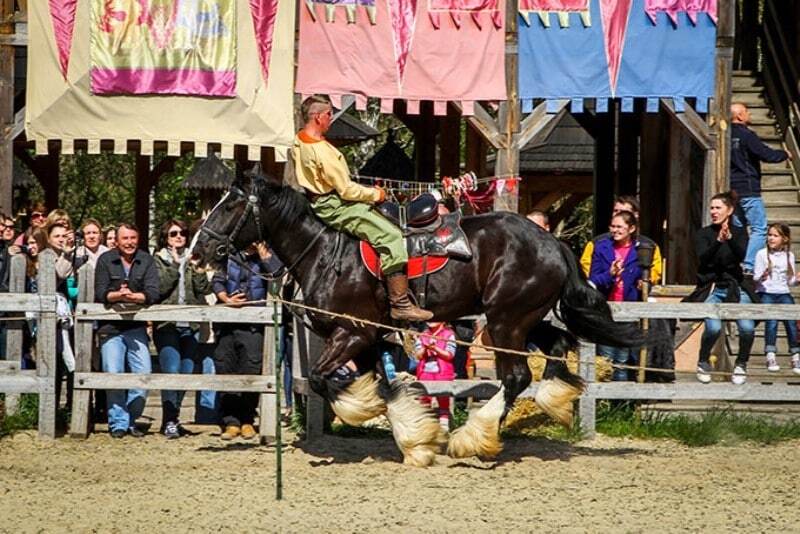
(518, 273)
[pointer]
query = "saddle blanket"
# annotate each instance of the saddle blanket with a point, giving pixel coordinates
(415, 267)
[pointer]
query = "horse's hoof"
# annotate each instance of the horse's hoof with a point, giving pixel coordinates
(472, 440)
(415, 428)
(480, 436)
(360, 401)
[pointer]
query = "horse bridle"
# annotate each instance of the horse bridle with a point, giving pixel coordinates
(226, 247)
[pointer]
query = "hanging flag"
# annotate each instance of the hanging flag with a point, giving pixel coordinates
(264, 13)
(164, 47)
(672, 7)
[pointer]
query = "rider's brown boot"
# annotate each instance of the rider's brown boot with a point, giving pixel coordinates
(402, 307)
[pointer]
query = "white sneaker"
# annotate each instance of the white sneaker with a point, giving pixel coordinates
(739, 375)
(704, 373)
(772, 363)
(796, 364)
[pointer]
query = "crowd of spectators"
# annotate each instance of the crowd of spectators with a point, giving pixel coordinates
(126, 273)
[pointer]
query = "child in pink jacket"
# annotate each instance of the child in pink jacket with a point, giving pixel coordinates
(435, 349)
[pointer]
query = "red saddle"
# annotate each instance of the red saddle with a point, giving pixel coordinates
(372, 262)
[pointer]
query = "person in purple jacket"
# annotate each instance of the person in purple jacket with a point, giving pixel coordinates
(616, 273)
(747, 153)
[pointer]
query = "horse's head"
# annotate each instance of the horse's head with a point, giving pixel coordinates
(235, 222)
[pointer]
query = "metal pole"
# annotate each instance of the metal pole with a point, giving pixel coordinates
(278, 440)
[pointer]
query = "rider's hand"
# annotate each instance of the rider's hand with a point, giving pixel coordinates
(381, 194)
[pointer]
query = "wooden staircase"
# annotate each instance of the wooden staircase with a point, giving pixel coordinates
(781, 194)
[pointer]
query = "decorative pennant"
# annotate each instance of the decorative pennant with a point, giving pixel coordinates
(349, 9)
(614, 15)
(455, 8)
(672, 7)
(403, 14)
(561, 8)
(264, 13)
(62, 15)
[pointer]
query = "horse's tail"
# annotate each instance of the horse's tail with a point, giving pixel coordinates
(586, 313)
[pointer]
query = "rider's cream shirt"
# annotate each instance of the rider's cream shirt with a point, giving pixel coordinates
(321, 168)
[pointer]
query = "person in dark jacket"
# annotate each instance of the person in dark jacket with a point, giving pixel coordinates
(616, 273)
(239, 346)
(125, 275)
(747, 153)
(177, 343)
(720, 249)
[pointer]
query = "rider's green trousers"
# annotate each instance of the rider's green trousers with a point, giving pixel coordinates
(360, 220)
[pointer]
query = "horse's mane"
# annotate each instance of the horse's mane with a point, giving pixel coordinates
(291, 206)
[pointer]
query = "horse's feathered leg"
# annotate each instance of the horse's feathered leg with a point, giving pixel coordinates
(559, 387)
(480, 436)
(354, 399)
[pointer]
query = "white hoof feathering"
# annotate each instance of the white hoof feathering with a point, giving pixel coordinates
(415, 428)
(480, 436)
(360, 402)
(555, 397)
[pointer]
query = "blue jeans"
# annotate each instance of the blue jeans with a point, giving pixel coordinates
(771, 326)
(127, 349)
(177, 353)
(621, 356)
(747, 329)
(756, 217)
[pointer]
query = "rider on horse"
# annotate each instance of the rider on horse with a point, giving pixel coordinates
(347, 206)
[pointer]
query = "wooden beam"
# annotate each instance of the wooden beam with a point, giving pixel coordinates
(694, 124)
(484, 124)
(179, 382)
(170, 313)
(475, 151)
(721, 105)
(569, 183)
(6, 109)
(679, 218)
(535, 128)
(449, 141)
(507, 161)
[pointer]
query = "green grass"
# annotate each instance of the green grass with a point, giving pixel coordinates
(25, 418)
(719, 426)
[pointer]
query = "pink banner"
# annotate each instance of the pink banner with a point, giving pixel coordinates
(401, 54)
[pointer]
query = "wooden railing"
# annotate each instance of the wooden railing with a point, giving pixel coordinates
(781, 81)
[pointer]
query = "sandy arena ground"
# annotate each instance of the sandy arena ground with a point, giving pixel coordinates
(201, 484)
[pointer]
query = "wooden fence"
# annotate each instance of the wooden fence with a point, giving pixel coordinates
(13, 380)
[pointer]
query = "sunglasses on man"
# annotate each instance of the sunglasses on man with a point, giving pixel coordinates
(176, 233)
(37, 215)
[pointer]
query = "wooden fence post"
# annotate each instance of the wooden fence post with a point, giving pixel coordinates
(306, 349)
(46, 330)
(587, 402)
(14, 329)
(84, 330)
(266, 407)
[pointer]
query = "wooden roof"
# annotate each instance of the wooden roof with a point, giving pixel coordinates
(210, 173)
(568, 149)
(390, 161)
